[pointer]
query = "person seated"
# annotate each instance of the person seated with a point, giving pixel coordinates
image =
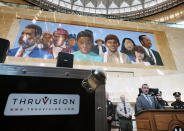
(178, 104)
(113, 55)
(160, 100)
(85, 43)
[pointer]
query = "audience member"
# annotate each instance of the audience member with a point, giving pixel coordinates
(153, 56)
(145, 101)
(128, 48)
(178, 104)
(85, 43)
(160, 99)
(113, 55)
(110, 112)
(124, 112)
(28, 41)
(140, 56)
(99, 48)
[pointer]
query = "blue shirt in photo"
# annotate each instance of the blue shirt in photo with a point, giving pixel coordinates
(78, 56)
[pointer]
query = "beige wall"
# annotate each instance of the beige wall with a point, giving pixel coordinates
(121, 79)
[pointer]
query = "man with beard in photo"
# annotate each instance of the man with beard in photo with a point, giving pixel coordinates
(28, 44)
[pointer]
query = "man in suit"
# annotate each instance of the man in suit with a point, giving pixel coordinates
(152, 55)
(28, 44)
(110, 112)
(99, 48)
(145, 101)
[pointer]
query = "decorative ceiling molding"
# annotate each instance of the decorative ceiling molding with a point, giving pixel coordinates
(117, 9)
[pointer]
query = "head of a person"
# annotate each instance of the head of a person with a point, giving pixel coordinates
(47, 38)
(140, 53)
(145, 89)
(99, 42)
(177, 96)
(122, 98)
(30, 36)
(85, 41)
(60, 36)
(159, 95)
(112, 42)
(145, 41)
(72, 40)
(127, 45)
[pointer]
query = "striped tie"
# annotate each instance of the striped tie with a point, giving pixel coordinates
(151, 56)
(149, 100)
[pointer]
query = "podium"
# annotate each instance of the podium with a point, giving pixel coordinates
(159, 120)
(36, 98)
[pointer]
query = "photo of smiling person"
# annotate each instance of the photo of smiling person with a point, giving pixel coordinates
(113, 55)
(140, 56)
(127, 47)
(152, 55)
(85, 44)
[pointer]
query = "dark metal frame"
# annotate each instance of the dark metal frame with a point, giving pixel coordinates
(67, 73)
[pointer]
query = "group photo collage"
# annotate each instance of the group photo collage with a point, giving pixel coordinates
(40, 39)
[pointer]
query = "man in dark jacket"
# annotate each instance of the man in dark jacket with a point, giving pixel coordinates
(178, 104)
(110, 111)
(160, 99)
(99, 48)
(152, 55)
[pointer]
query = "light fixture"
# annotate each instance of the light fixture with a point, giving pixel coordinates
(95, 79)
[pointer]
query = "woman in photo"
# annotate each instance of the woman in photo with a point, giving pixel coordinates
(128, 48)
(140, 56)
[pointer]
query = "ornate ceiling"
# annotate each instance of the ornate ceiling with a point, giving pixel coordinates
(106, 6)
(121, 8)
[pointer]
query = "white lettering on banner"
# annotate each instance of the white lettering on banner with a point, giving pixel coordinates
(42, 104)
